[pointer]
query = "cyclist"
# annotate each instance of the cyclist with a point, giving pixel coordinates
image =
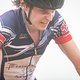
(25, 33)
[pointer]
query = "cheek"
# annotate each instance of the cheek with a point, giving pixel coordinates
(36, 19)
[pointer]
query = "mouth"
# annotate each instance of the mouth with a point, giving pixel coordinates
(45, 22)
(44, 25)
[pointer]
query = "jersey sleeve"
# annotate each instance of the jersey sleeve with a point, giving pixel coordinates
(60, 29)
(6, 31)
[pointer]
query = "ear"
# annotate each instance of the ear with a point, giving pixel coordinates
(22, 4)
(21, 1)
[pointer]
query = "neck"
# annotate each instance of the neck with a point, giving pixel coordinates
(35, 34)
(31, 28)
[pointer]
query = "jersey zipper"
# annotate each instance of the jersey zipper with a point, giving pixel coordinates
(35, 51)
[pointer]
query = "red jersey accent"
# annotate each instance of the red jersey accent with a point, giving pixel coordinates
(63, 39)
(2, 38)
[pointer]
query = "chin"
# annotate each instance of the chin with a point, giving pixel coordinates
(42, 29)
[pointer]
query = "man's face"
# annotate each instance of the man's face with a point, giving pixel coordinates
(40, 18)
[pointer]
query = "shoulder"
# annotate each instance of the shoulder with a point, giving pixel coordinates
(8, 25)
(9, 19)
(57, 18)
(57, 15)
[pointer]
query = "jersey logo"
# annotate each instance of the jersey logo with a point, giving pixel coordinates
(22, 36)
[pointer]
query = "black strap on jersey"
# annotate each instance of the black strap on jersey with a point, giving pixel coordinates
(27, 17)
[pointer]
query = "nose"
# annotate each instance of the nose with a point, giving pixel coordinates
(49, 16)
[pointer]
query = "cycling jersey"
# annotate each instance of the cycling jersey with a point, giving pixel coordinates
(20, 54)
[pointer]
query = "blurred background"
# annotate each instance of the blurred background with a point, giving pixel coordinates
(54, 65)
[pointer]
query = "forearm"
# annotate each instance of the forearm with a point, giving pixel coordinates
(0, 57)
(78, 71)
(73, 53)
(77, 68)
(0, 62)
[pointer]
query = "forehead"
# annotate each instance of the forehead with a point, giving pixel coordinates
(40, 9)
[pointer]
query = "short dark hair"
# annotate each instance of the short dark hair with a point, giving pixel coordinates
(16, 2)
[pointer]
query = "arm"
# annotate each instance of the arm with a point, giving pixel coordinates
(0, 57)
(72, 52)
(63, 38)
(0, 61)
